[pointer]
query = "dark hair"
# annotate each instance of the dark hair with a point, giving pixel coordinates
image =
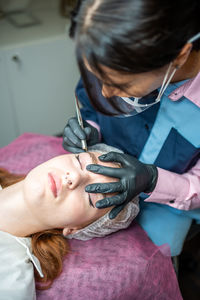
(133, 36)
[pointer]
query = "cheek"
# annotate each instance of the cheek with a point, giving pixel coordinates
(145, 86)
(33, 189)
(73, 208)
(76, 211)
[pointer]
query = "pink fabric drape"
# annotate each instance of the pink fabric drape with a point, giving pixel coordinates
(122, 266)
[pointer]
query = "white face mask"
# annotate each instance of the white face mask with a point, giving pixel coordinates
(165, 83)
(134, 105)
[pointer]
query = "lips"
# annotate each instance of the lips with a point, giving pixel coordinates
(54, 183)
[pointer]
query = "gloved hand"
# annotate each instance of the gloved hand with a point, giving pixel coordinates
(73, 134)
(134, 177)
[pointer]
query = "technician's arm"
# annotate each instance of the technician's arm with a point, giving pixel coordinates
(178, 191)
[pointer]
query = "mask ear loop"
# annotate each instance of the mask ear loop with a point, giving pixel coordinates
(194, 38)
(166, 82)
(164, 85)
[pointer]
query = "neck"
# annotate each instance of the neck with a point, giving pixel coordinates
(190, 68)
(15, 216)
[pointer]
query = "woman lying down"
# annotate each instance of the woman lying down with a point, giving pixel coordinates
(38, 211)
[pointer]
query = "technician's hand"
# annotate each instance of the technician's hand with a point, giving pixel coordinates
(134, 178)
(73, 134)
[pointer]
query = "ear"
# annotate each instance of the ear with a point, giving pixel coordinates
(183, 56)
(67, 230)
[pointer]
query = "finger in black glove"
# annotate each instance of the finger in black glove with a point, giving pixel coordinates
(134, 177)
(73, 134)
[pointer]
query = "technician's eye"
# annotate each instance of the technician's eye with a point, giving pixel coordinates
(77, 157)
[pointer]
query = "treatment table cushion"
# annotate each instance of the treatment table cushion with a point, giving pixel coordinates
(122, 266)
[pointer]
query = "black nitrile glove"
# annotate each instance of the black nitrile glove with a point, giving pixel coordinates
(73, 134)
(134, 177)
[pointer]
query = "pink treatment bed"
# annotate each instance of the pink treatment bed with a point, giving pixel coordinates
(123, 266)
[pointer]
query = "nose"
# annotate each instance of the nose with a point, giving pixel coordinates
(75, 179)
(108, 91)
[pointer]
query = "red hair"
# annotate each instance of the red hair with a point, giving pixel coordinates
(48, 246)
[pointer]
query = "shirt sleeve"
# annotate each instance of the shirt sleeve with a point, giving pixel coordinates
(179, 191)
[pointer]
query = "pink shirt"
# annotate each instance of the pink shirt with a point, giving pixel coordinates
(180, 191)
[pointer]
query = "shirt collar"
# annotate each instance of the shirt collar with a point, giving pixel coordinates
(187, 88)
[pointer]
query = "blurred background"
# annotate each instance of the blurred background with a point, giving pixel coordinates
(38, 70)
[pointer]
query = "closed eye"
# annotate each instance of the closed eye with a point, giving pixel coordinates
(89, 198)
(90, 201)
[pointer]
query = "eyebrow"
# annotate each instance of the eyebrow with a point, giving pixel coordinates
(93, 157)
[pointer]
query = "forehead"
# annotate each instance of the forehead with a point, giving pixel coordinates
(110, 73)
(67, 161)
(70, 157)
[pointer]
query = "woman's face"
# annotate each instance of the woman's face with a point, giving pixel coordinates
(55, 191)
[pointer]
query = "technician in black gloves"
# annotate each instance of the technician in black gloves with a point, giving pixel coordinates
(73, 134)
(140, 86)
(134, 176)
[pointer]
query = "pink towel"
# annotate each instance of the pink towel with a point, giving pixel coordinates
(28, 151)
(123, 266)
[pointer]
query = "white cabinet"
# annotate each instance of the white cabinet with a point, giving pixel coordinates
(42, 80)
(37, 82)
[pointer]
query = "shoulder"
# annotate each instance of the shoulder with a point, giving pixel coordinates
(190, 89)
(16, 272)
